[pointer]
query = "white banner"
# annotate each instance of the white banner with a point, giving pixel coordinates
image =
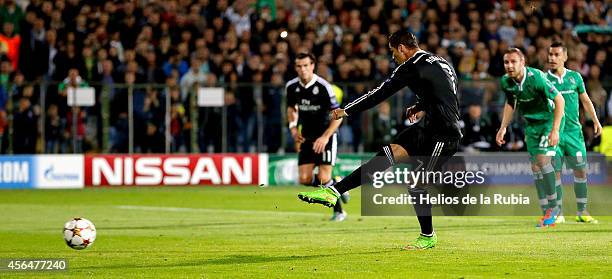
(59, 171)
(211, 97)
(85, 96)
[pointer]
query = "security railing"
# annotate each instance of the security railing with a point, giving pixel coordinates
(162, 118)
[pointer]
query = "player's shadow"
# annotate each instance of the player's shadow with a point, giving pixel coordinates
(254, 259)
(235, 259)
(170, 226)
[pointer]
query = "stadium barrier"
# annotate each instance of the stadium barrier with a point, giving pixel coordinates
(237, 120)
(501, 168)
(79, 171)
(41, 171)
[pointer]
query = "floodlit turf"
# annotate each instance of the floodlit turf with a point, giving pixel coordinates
(266, 232)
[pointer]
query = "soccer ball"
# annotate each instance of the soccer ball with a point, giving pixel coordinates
(79, 233)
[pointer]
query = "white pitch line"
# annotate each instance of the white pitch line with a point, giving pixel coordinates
(216, 210)
(269, 212)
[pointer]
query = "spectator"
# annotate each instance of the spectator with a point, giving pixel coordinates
(75, 135)
(51, 50)
(175, 63)
(384, 126)
(10, 12)
(119, 121)
(271, 98)
(478, 130)
(178, 120)
(6, 75)
(71, 82)
(154, 139)
(194, 76)
(54, 128)
(24, 128)
(4, 135)
(153, 73)
(11, 41)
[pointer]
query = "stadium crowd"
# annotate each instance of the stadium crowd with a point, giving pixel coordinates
(172, 45)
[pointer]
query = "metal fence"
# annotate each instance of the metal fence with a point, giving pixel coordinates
(165, 118)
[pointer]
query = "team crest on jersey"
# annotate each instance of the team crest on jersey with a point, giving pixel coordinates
(572, 80)
(297, 89)
(315, 90)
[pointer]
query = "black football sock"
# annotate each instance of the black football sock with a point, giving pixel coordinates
(426, 225)
(422, 209)
(362, 175)
(338, 206)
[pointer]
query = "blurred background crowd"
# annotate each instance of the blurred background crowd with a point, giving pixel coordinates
(159, 51)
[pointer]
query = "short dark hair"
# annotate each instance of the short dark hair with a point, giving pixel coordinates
(303, 55)
(403, 37)
(559, 44)
(515, 50)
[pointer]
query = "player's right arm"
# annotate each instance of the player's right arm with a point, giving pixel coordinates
(507, 116)
(292, 117)
(394, 83)
(506, 120)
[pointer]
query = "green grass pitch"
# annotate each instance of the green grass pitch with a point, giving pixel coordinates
(232, 232)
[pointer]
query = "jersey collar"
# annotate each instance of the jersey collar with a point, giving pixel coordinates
(310, 83)
(417, 52)
(560, 79)
(524, 78)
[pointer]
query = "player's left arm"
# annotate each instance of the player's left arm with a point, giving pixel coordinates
(319, 145)
(588, 106)
(394, 83)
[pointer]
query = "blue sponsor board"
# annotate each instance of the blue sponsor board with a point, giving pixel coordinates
(515, 168)
(16, 172)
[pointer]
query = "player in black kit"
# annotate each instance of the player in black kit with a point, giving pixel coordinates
(310, 99)
(436, 136)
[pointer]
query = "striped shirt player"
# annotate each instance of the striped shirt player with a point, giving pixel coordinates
(435, 138)
(434, 82)
(533, 98)
(310, 99)
(314, 101)
(540, 104)
(572, 148)
(571, 140)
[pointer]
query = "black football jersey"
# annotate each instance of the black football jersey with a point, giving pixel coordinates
(313, 101)
(434, 82)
